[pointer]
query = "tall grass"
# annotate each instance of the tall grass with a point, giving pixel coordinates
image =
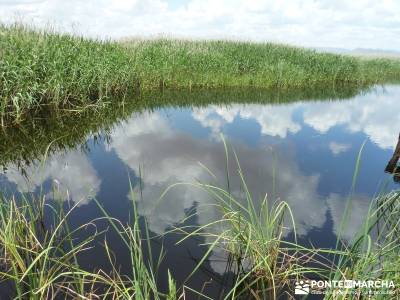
(39, 252)
(141, 283)
(253, 234)
(39, 260)
(44, 68)
(374, 254)
(39, 256)
(39, 68)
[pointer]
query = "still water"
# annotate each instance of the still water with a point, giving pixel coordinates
(303, 152)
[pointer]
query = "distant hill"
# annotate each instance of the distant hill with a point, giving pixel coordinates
(363, 52)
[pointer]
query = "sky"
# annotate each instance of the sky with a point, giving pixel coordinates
(310, 23)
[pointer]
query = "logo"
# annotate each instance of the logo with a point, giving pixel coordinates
(344, 287)
(302, 288)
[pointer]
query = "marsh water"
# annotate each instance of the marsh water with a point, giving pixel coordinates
(301, 148)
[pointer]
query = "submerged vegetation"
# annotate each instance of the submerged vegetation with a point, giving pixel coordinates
(44, 68)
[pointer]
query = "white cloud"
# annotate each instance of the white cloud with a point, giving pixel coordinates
(71, 173)
(168, 157)
(337, 148)
(148, 139)
(358, 209)
(348, 24)
(372, 114)
(274, 120)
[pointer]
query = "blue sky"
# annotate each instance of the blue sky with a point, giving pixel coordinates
(317, 23)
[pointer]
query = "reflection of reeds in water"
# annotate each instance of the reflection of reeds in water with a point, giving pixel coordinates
(39, 258)
(51, 129)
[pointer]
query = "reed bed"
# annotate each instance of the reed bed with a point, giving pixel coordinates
(39, 256)
(39, 260)
(41, 68)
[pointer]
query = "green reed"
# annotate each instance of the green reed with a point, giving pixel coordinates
(39, 252)
(43, 68)
(374, 253)
(38, 256)
(252, 235)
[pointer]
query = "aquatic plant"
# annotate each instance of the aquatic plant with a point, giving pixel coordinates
(374, 253)
(38, 257)
(40, 68)
(44, 68)
(267, 262)
(39, 249)
(141, 282)
(253, 234)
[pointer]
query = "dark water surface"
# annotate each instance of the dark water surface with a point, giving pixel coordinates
(303, 152)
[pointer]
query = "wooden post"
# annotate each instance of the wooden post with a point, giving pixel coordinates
(392, 164)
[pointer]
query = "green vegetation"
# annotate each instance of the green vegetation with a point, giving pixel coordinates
(374, 254)
(367, 257)
(56, 90)
(252, 235)
(268, 265)
(43, 68)
(40, 69)
(39, 258)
